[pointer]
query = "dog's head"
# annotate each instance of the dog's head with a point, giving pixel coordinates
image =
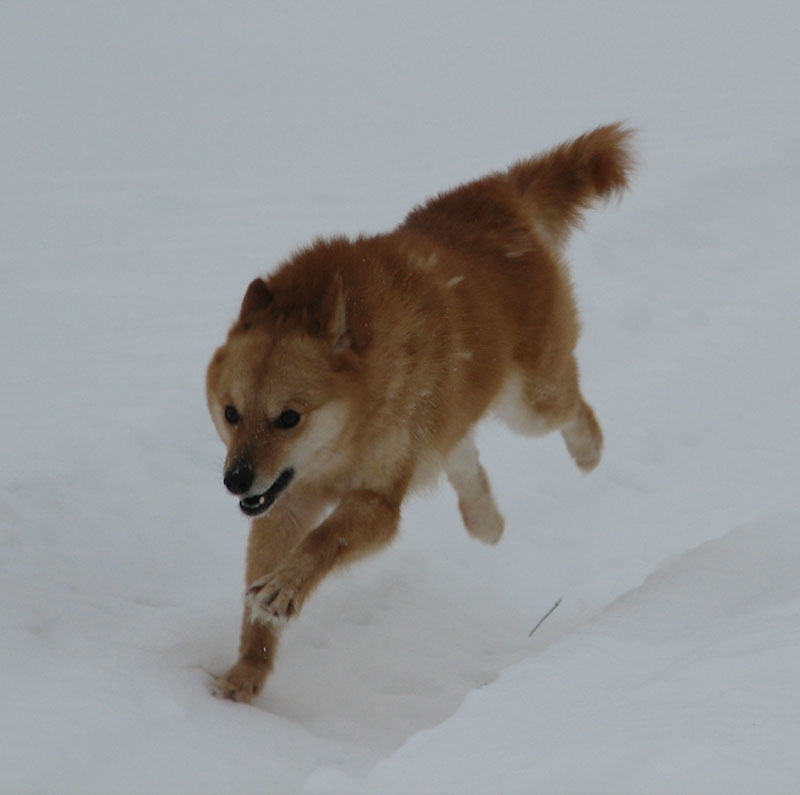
(277, 392)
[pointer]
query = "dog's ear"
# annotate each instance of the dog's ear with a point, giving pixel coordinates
(334, 313)
(257, 297)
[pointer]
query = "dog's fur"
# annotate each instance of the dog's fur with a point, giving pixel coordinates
(390, 349)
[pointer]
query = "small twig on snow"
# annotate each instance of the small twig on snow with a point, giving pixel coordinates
(545, 616)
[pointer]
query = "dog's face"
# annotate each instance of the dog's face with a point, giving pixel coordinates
(277, 398)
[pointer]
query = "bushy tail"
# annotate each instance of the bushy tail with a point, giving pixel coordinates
(557, 186)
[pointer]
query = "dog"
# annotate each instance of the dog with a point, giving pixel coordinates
(358, 370)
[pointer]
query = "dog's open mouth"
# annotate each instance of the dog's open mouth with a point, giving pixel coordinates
(260, 503)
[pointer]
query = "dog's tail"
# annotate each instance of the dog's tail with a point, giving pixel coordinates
(557, 186)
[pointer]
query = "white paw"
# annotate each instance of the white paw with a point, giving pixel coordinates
(275, 598)
(482, 518)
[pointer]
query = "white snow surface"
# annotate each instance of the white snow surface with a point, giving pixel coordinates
(154, 157)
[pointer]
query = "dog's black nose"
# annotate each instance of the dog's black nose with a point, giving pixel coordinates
(239, 478)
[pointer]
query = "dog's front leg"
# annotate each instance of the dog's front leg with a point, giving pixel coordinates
(245, 680)
(272, 538)
(363, 522)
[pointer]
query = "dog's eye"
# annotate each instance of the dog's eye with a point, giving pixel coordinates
(232, 415)
(288, 419)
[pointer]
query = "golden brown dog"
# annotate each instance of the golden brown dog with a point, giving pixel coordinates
(359, 369)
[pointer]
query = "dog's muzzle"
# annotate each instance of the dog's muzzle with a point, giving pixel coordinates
(259, 504)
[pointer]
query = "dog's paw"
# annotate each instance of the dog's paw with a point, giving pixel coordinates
(584, 439)
(276, 598)
(242, 683)
(482, 518)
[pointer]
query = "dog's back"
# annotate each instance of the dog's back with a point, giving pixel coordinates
(467, 305)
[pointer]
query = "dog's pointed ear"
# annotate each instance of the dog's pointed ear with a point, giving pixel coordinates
(335, 314)
(257, 297)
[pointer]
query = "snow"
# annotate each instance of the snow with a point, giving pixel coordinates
(156, 157)
(645, 697)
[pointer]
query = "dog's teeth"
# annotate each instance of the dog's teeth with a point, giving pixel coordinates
(261, 500)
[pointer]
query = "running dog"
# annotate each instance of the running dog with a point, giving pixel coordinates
(359, 369)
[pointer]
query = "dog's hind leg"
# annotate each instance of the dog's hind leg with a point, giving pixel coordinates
(535, 404)
(584, 438)
(562, 407)
(475, 501)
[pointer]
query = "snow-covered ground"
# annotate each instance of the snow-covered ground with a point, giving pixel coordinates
(155, 157)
